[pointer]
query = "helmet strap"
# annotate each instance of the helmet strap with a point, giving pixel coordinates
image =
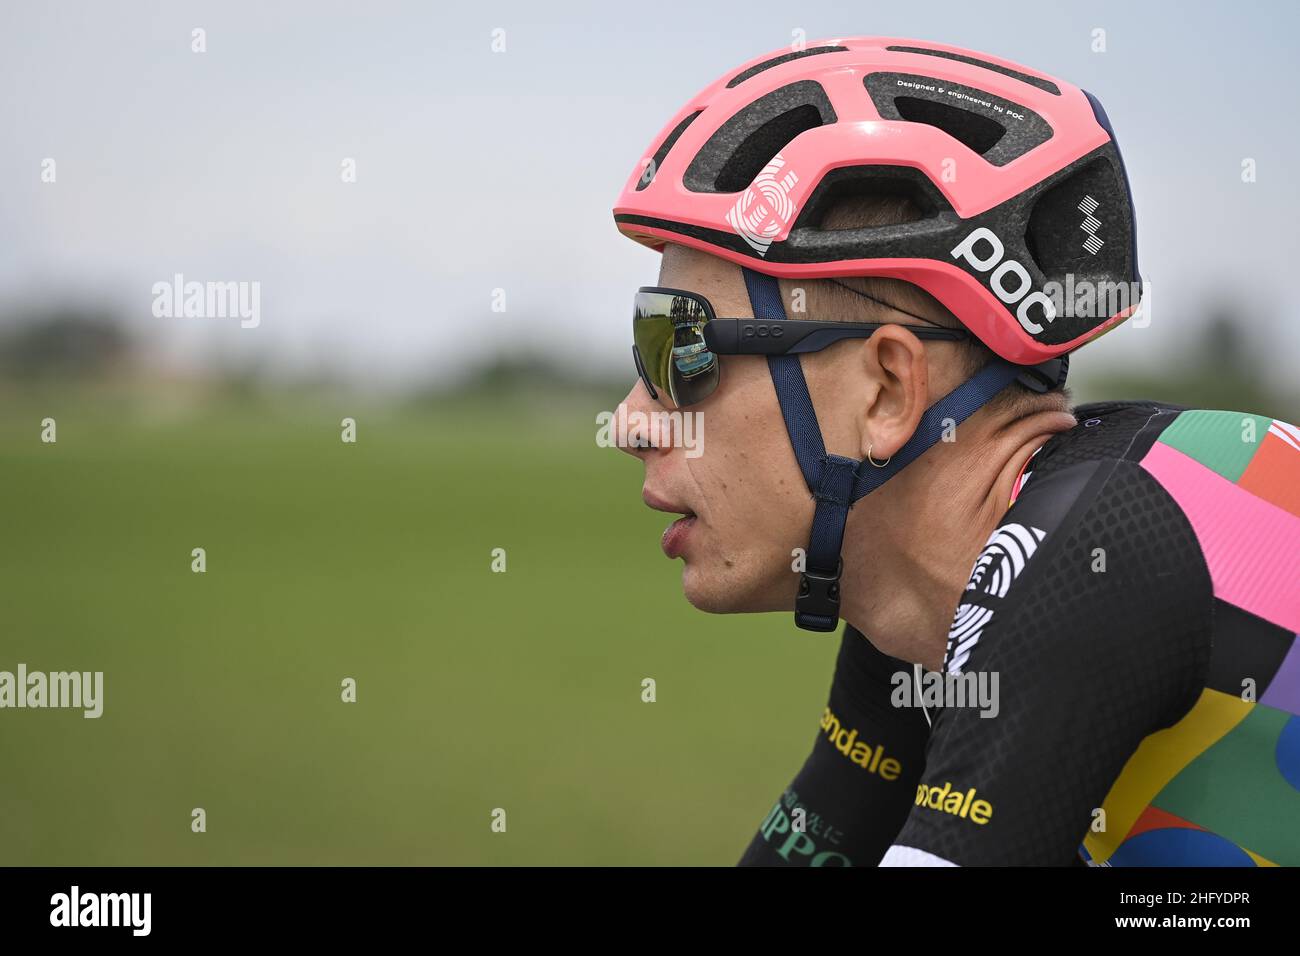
(836, 482)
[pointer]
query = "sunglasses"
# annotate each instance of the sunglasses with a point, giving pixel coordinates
(678, 339)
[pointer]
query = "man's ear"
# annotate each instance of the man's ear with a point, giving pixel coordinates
(897, 365)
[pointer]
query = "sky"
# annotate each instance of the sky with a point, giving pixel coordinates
(479, 171)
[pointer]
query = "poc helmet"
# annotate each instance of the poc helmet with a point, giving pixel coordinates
(1022, 193)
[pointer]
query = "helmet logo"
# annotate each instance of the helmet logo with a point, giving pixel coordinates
(765, 208)
(1009, 269)
(1090, 225)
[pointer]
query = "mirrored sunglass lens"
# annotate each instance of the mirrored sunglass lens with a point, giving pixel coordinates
(652, 332)
(694, 367)
(669, 333)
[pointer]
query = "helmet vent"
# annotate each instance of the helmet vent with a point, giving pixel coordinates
(1036, 81)
(848, 185)
(996, 129)
(657, 160)
(744, 75)
(977, 132)
(746, 142)
(1081, 225)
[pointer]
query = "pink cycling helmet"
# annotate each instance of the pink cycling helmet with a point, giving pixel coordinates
(1018, 177)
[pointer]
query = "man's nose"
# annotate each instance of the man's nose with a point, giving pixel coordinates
(637, 409)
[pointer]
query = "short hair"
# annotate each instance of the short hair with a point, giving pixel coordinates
(838, 300)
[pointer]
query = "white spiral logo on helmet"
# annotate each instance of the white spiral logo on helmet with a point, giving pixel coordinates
(1005, 555)
(765, 208)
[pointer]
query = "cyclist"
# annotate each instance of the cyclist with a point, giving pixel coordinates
(1080, 624)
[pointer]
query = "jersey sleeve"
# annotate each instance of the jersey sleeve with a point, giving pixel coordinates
(1085, 626)
(846, 804)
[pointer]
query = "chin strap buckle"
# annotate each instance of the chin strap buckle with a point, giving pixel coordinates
(1045, 376)
(817, 607)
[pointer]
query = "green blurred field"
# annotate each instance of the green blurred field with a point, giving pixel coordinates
(326, 560)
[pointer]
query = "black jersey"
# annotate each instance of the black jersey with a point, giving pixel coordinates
(1121, 680)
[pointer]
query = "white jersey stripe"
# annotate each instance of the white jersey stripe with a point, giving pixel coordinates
(910, 856)
(1288, 433)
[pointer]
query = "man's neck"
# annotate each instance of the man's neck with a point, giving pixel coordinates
(910, 546)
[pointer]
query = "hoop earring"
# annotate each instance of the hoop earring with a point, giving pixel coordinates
(877, 464)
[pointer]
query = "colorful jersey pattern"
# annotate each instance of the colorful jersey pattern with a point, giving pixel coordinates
(1222, 786)
(1139, 603)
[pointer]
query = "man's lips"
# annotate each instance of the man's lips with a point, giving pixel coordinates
(675, 535)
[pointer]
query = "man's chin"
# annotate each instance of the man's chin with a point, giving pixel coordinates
(717, 592)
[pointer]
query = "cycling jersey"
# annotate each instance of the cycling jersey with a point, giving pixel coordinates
(854, 791)
(1136, 612)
